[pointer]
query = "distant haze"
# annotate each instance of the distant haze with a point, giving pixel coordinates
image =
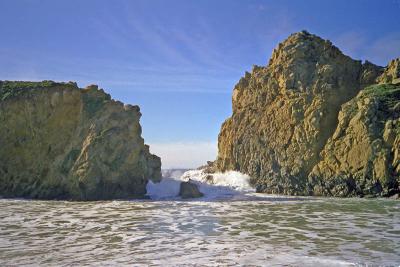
(184, 155)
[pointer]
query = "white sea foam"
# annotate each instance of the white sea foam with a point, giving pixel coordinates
(213, 186)
(168, 188)
(327, 232)
(173, 173)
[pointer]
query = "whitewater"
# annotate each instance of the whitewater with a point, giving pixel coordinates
(231, 184)
(230, 226)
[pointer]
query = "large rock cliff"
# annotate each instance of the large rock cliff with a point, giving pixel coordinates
(58, 141)
(310, 123)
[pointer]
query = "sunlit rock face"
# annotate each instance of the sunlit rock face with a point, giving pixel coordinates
(62, 142)
(286, 116)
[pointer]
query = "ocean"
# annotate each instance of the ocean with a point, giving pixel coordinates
(231, 226)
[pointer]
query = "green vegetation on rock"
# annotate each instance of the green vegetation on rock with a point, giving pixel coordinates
(9, 89)
(388, 94)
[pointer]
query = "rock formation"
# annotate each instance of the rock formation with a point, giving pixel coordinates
(189, 190)
(312, 122)
(363, 155)
(61, 142)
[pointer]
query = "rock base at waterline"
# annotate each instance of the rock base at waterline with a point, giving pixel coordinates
(189, 190)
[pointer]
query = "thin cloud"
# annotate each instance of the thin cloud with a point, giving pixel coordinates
(385, 49)
(379, 51)
(171, 57)
(351, 43)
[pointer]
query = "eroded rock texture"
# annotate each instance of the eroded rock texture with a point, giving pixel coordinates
(61, 142)
(286, 123)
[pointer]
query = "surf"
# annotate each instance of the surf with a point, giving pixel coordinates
(231, 184)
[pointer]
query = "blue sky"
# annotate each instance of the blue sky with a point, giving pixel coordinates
(179, 60)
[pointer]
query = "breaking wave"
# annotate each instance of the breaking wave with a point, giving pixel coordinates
(231, 184)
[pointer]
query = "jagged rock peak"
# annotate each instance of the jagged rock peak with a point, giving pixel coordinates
(303, 63)
(303, 46)
(284, 115)
(391, 73)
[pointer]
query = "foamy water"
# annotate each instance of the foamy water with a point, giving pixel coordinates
(216, 186)
(231, 179)
(245, 229)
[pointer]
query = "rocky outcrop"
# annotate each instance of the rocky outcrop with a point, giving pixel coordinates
(391, 73)
(189, 190)
(285, 121)
(363, 155)
(62, 142)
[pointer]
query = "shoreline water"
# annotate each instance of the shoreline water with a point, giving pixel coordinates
(226, 227)
(306, 232)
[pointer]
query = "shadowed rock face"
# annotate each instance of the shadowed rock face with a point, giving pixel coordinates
(62, 142)
(285, 114)
(189, 190)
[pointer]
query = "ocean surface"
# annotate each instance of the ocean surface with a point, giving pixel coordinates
(230, 226)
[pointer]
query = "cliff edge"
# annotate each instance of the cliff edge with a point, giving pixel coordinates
(61, 142)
